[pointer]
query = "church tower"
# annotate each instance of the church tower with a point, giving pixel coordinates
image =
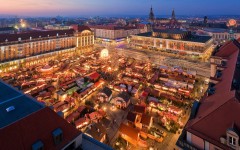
(151, 15)
(173, 14)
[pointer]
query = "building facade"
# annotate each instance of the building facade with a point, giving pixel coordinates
(57, 27)
(85, 39)
(42, 46)
(213, 123)
(219, 35)
(172, 40)
(115, 34)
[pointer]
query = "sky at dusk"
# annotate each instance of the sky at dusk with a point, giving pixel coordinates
(117, 7)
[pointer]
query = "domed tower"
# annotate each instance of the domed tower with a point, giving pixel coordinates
(151, 15)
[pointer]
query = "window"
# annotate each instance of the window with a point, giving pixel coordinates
(57, 136)
(37, 145)
(232, 141)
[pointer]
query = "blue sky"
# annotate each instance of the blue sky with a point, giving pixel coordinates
(118, 7)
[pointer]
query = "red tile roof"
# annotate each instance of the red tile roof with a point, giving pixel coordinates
(146, 119)
(81, 108)
(139, 109)
(228, 49)
(24, 133)
(94, 76)
(131, 132)
(81, 121)
(218, 111)
(73, 116)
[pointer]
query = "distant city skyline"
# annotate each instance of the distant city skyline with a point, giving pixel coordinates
(118, 7)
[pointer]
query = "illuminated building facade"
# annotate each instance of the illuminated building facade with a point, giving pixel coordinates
(110, 33)
(85, 39)
(219, 35)
(41, 46)
(176, 41)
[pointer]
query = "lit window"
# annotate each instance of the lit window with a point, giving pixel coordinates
(232, 141)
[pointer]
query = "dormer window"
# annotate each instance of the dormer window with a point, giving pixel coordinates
(37, 145)
(57, 136)
(232, 141)
(233, 137)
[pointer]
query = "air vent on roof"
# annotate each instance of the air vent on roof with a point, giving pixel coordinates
(11, 108)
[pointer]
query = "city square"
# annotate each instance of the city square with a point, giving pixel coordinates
(119, 75)
(105, 88)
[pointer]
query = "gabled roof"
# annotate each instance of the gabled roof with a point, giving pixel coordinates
(139, 109)
(146, 119)
(131, 116)
(107, 91)
(37, 126)
(125, 96)
(219, 111)
(131, 132)
(97, 131)
(228, 49)
(94, 76)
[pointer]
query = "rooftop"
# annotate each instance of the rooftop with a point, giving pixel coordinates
(113, 27)
(19, 105)
(97, 131)
(170, 31)
(216, 30)
(89, 143)
(192, 38)
(41, 129)
(131, 116)
(139, 109)
(125, 96)
(34, 35)
(107, 91)
(7, 28)
(223, 106)
(146, 119)
(129, 131)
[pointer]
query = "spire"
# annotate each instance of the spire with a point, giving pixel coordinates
(173, 14)
(151, 14)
